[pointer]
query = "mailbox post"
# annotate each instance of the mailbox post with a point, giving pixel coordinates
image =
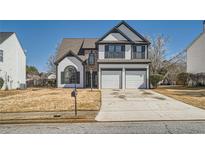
(74, 93)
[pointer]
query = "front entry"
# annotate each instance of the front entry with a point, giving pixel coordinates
(94, 79)
(111, 79)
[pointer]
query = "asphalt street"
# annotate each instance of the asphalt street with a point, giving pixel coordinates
(154, 127)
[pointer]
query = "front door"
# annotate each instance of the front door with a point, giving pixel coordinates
(94, 79)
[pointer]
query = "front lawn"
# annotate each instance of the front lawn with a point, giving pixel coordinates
(192, 96)
(48, 99)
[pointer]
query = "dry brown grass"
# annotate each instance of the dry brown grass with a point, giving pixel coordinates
(48, 99)
(192, 96)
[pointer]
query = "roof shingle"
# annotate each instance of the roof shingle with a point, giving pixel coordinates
(74, 45)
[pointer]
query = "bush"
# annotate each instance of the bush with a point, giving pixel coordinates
(195, 80)
(182, 78)
(1, 83)
(154, 79)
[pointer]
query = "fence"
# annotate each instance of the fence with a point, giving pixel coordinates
(41, 83)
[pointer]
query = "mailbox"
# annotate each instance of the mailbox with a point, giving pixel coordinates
(74, 93)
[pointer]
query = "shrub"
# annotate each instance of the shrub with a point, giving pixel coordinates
(1, 83)
(196, 80)
(154, 79)
(182, 78)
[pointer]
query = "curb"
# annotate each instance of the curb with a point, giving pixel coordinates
(27, 121)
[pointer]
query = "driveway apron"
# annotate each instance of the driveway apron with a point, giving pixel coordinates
(144, 105)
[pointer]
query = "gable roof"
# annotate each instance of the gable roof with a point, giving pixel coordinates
(72, 46)
(194, 41)
(133, 30)
(114, 30)
(4, 36)
(123, 33)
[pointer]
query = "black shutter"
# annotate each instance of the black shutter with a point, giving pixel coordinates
(106, 47)
(143, 51)
(134, 48)
(143, 48)
(78, 77)
(122, 48)
(62, 78)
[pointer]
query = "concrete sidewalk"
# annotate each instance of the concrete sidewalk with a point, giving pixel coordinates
(29, 117)
(144, 105)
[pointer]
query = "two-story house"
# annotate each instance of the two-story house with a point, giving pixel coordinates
(118, 60)
(196, 54)
(12, 61)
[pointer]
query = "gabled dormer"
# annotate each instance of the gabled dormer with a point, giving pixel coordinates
(122, 42)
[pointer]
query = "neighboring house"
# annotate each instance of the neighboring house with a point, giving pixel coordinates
(52, 76)
(196, 54)
(12, 61)
(118, 60)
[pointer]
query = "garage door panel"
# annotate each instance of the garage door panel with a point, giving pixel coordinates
(111, 79)
(135, 79)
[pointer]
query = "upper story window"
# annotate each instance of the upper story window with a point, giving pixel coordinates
(138, 52)
(1, 55)
(91, 58)
(114, 51)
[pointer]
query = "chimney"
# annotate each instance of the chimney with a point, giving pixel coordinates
(204, 26)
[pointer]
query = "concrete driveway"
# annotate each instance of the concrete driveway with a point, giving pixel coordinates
(140, 105)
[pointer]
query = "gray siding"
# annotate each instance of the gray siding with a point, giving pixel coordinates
(196, 56)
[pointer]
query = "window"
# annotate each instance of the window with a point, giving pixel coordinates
(114, 51)
(139, 48)
(1, 56)
(118, 48)
(111, 48)
(91, 59)
(70, 75)
(138, 52)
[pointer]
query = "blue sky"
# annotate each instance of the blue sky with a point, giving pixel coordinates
(40, 38)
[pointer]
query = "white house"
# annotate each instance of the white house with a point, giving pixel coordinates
(196, 54)
(119, 60)
(12, 61)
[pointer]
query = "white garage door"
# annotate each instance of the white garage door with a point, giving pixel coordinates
(111, 79)
(135, 79)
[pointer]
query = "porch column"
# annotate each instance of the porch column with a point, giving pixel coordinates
(123, 78)
(99, 77)
(148, 76)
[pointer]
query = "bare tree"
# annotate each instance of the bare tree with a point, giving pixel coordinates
(50, 64)
(51, 61)
(174, 66)
(157, 52)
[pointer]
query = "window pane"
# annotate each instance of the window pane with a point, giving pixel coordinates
(111, 48)
(118, 48)
(139, 48)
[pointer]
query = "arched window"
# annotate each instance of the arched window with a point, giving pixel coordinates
(70, 75)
